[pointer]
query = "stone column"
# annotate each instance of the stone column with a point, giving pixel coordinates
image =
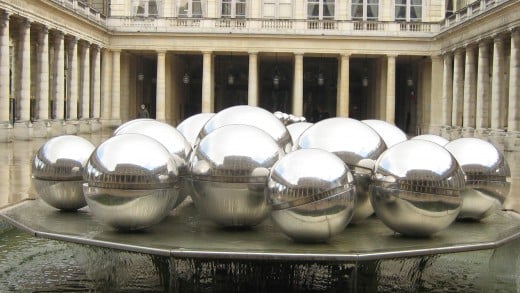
(58, 84)
(498, 101)
(513, 123)
(96, 88)
(468, 117)
(390, 89)
(160, 113)
(252, 89)
(72, 80)
(5, 124)
(23, 127)
(116, 87)
(297, 102)
(483, 102)
(84, 126)
(447, 88)
(40, 126)
(207, 82)
(458, 94)
(344, 86)
(106, 91)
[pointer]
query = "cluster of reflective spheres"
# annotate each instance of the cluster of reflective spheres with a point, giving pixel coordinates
(243, 164)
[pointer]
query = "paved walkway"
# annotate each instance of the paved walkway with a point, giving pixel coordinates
(15, 170)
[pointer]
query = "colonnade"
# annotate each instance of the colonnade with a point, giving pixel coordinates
(481, 89)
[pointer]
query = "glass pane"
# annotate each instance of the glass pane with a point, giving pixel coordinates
(241, 9)
(357, 12)
(354, 2)
(416, 13)
(400, 13)
(226, 9)
(400, 2)
(182, 9)
(328, 11)
(373, 2)
(152, 8)
(417, 2)
(196, 6)
(373, 12)
(313, 10)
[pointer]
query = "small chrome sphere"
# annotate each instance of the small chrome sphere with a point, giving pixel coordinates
(131, 182)
(171, 138)
(312, 195)
(229, 173)
(296, 129)
(487, 176)
(191, 126)
(357, 144)
(390, 133)
(254, 116)
(433, 138)
(57, 171)
(416, 188)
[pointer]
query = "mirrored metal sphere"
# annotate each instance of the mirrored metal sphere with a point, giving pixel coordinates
(130, 122)
(357, 144)
(312, 195)
(171, 138)
(433, 138)
(131, 182)
(57, 171)
(229, 173)
(390, 133)
(254, 116)
(191, 126)
(296, 129)
(487, 176)
(416, 188)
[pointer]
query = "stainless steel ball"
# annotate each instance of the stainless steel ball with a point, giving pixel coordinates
(357, 144)
(229, 170)
(254, 116)
(296, 129)
(191, 126)
(416, 188)
(171, 138)
(487, 177)
(390, 133)
(433, 138)
(57, 171)
(312, 195)
(131, 182)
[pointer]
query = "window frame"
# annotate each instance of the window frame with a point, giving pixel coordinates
(146, 4)
(189, 13)
(234, 4)
(276, 4)
(365, 5)
(408, 11)
(321, 4)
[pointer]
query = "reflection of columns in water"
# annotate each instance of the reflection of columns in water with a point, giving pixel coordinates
(458, 89)
(72, 79)
(96, 86)
(161, 86)
(344, 79)
(4, 67)
(59, 80)
(498, 117)
(106, 80)
(298, 85)
(482, 103)
(513, 123)
(469, 89)
(252, 90)
(207, 82)
(390, 89)
(43, 86)
(85, 80)
(447, 87)
(116, 84)
(25, 70)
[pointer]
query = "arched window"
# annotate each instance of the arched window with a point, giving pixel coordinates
(365, 10)
(233, 8)
(321, 9)
(276, 9)
(190, 8)
(408, 10)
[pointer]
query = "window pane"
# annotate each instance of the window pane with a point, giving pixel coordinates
(226, 9)
(400, 2)
(328, 11)
(313, 10)
(417, 2)
(182, 9)
(373, 12)
(373, 2)
(400, 13)
(152, 8)
(357, 2)
(241, 9)
(357, 11)
(196, 6)
(416, 13)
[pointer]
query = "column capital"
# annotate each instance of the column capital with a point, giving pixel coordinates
(299, 54)
(205, 52)
(72, 40)
(345, 54)
(498, 38)
(25, 23)
(388, 56)
(161, 51)
(482, 43)
(4, 17)
(436, 57)
(252, 52)
(95, 48)
(83, 43)
(515, 31)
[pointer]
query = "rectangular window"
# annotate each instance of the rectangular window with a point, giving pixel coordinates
(240, 9)
(408, 10)
(233, 8)
(365, 9)
(183, 8)
(226, 8)
(196, 7)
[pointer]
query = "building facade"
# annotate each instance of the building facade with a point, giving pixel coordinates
(429, 66)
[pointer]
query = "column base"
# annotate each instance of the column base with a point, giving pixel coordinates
(432, 129)
(482, 133)
(6, 132)
(468, 132)
(445, 132)
(496, 137)
(57, 128)
(455, 132)
(512, 141)
(71, 127)
(41, 129)
(84, 126)
(111, 123)
(95, 125)
(23, 130)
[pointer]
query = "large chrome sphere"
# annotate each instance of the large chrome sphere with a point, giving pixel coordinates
(254, 116)
(487, 175)
(357, 144)
(229, 171)
(416, 188)
(312, 195)
(131, 182)
(390, 133)
(296, 129)
(57, 171)
(171, 138)
(433, 138)
(191, 126)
